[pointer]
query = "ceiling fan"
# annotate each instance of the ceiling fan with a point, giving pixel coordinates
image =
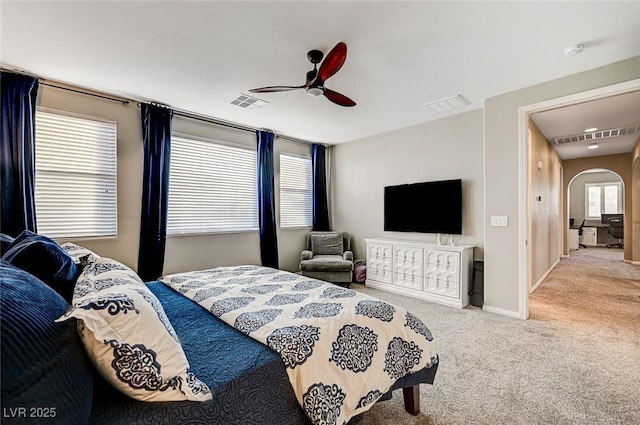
(316, 77)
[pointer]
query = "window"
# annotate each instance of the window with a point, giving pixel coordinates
(212, 188)
(602, 198)
(75, 187)
(296, 191)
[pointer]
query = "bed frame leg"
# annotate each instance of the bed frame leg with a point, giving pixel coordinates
(412, 399)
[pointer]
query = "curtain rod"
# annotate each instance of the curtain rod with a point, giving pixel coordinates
(43, 82)
(179, 112)
(223, 123)
(113, 99)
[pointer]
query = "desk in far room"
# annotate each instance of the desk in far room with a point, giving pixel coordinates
(591, 236)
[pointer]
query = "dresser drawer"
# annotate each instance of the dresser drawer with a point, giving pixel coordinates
(380, 262)
(442, 262)
(408, 267)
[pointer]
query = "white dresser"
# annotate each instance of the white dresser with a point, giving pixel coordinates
(438, 273)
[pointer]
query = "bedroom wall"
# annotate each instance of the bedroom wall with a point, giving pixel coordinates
(502, 244)
(124, 247)
(448, 148)
(182, 252)
(544, 205)
(200, 251)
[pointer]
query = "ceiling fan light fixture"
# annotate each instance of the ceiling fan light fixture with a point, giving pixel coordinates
(590, 129)
(315, 91)
(593, 146)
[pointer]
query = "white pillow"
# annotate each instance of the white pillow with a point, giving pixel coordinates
(128, 336)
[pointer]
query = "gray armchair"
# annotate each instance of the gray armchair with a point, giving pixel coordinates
(328, 257)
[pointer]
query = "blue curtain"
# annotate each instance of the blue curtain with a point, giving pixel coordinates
(319, 170)
(156, 133)
(266, 200)
(18, 93)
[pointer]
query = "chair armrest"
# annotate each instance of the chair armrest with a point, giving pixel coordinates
(347, 255)
(306, 255)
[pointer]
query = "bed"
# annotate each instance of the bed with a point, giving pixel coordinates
(248, 381)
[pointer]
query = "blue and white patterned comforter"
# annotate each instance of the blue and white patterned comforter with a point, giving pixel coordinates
(342, 349)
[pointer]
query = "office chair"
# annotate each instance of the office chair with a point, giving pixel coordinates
(615, 227)
(580, 244)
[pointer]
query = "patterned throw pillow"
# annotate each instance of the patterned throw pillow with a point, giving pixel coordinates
(128, 336)
(80, 254)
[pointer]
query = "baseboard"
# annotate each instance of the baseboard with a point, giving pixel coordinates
(501, 311)
(544, 276)
(635, 263)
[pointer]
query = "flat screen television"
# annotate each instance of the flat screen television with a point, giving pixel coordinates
(428, 207)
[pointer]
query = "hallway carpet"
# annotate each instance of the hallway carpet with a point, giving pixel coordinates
(593, 287)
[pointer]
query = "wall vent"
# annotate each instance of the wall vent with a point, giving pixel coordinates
(447, 104)
(596, 135)
(248, 102)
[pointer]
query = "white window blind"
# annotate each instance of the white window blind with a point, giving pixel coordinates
(212, 188)
(593, 201)
(603, 198)
(75, 187)
(296, 191)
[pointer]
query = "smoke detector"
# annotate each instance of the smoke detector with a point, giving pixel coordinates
(576, 49)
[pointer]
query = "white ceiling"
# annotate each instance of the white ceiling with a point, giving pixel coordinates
(198, 56)
(621, 111)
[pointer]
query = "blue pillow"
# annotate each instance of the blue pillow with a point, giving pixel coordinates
(44, 369)
(46, 260)
(5, 241)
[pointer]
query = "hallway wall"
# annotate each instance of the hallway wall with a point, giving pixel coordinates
(544, 206)
(635, 204)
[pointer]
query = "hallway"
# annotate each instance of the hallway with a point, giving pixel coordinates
(591, 288)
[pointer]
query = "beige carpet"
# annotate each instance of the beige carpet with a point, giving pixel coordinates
(595, 288)
(564, 366)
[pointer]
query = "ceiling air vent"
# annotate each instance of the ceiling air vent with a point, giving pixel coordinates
(248, 102)
(596, 135)
(447, 104)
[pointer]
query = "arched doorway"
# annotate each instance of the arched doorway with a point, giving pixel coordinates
(590, 194)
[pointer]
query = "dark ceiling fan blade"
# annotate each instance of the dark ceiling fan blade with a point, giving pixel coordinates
(332, 63)
(338, 98)
(311, 75)
(275, 89)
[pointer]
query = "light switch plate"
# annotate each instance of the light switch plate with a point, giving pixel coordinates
(499, 221)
